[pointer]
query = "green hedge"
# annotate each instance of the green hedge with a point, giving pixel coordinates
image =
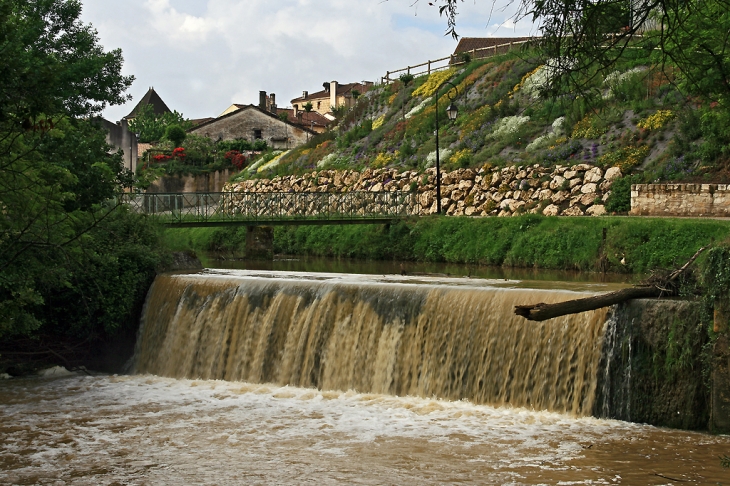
(525, 241)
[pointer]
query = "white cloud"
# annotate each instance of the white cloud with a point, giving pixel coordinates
(203, 55)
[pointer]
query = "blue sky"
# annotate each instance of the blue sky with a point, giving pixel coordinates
(203, 55)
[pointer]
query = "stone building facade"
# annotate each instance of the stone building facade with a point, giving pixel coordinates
(252, 123)
(333, 95)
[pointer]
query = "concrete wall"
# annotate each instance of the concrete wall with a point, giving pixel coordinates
(212, 182)
(242, 124)
(119, 137)
(680, 199)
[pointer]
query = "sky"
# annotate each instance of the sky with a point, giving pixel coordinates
(203, 55)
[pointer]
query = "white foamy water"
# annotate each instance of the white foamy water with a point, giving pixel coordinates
(136, 430)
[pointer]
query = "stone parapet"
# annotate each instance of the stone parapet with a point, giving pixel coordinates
(680, 200)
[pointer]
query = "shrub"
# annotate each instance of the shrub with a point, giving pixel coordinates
(175, 134)
(657, 120)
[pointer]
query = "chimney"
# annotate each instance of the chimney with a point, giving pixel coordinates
(272, 98)
(262, 100)
(326, 86)
(296, 110)
(333, 94)
(305, 94)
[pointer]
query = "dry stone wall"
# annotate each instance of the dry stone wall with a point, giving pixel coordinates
(680, 200)
(561, 190)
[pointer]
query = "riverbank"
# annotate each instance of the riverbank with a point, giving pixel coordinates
(624, 245)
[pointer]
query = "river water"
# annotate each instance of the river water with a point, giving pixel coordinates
(136, 430)
(343, 379)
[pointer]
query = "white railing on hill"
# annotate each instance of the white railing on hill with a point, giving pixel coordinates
(452, 60)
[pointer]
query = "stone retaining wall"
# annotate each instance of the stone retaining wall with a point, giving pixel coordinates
(577, 190)
(680, 200)
(210, 182)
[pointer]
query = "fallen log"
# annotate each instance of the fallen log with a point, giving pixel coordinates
(542, 311)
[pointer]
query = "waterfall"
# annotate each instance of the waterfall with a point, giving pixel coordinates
(456, 339)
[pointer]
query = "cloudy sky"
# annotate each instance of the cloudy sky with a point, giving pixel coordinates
(203, 55)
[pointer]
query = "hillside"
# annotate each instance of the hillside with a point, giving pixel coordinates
(635, 119)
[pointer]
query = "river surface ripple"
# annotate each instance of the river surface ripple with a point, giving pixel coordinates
(136, 430)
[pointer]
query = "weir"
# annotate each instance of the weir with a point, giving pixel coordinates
(455, 339)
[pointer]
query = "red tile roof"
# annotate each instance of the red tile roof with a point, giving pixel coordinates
(307, 120)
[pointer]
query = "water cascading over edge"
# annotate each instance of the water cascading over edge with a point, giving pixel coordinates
(449, 341)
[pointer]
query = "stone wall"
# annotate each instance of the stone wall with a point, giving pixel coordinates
(211, 182)
(569, 191)
(680, 200)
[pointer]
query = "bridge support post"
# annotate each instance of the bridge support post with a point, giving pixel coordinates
(259, 243)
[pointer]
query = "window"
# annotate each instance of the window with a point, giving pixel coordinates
(257, 134)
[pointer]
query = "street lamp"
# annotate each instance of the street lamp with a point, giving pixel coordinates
(451, 112)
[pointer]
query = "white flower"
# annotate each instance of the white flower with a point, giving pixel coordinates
(617, 78)
(261, 165)
(557, 130)
(444, 154)
(416, 109)
(508, 125)
(327, 159)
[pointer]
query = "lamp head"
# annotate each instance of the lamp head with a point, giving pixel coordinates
(452, 112)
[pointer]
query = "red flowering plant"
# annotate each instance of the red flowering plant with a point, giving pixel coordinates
(236, 158)
(162, 158)
(179, 153)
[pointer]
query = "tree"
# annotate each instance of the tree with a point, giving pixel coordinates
(56, 170)
(308, 106)
(583, 40)
(176, 134)
(152, 127)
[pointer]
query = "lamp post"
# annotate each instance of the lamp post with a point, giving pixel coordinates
(451, 112)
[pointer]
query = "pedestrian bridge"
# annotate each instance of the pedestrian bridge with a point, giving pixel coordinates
(212, 209)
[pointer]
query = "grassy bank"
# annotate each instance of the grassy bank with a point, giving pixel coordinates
(631, 245)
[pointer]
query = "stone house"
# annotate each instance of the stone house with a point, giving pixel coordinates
(333, 95)
(313, 121)
(251, 122)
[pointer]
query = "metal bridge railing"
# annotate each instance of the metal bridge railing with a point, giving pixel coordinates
(222, 207)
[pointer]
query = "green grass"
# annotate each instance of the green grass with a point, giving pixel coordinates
(525, 241)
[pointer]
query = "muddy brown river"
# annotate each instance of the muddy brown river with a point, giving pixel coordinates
(140, 430)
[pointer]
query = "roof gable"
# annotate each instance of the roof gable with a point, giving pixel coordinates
(150, 98)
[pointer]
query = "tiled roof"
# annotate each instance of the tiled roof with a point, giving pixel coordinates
(307, 120)
(247, 107)
(200, 121)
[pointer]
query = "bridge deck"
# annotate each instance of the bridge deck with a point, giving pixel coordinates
(268, 209)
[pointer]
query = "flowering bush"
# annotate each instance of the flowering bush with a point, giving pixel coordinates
(416, 109)
(586, 128)
(236, 158)
(656, 121)
(179, 153)
(327, 159)
(508, 125)
(378, 122)
(384, 158)
(162, 158)
(462, 158)
(556, 131)
(444, 154)
(432, 83)
(625, 158)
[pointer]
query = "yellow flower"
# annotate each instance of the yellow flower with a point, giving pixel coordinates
(378, 122)
(657, 120)
(432, 83)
